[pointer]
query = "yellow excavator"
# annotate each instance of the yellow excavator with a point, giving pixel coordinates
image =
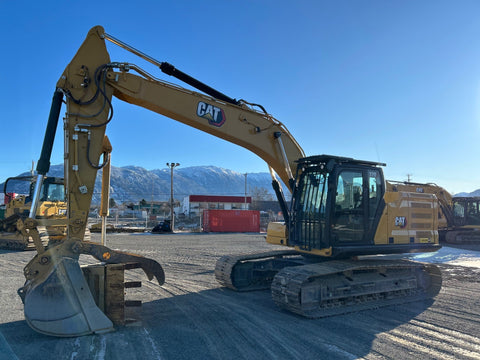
(52, 205)
(465, 228)
(340, 213)
(458, 218)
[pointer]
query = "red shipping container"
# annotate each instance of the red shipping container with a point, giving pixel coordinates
(231, 221)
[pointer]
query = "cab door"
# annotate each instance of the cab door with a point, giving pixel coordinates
(355, 205)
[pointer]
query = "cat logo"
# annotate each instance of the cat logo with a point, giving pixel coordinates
(213, 114)
(401, 221)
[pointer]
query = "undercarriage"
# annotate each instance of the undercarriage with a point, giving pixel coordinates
(318, 288)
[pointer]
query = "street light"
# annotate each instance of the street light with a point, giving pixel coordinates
(245, 205)
(172, 215)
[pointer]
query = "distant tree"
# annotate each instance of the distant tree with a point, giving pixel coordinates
(261, 194)
(112, 203)
(143, 203)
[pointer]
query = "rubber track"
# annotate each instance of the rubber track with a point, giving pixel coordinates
(288, 284)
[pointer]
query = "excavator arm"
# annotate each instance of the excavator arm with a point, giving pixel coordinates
(90, 80)
(88, 83)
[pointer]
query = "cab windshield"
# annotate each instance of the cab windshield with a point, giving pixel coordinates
(53, 192)
(311, 207)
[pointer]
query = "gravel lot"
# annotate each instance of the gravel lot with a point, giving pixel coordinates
(191, 317)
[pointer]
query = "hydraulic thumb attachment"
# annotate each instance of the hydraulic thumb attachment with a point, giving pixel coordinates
(57, 300)
(149, 266)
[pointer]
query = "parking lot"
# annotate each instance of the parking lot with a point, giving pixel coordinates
(192, 317)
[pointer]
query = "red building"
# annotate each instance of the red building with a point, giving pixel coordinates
(195, 204)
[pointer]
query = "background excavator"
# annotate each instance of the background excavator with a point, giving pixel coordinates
(340, 208)
(52, 205)
(459, 217)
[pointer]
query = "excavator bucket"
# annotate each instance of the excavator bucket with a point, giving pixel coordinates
(62, 305)
(56, 296)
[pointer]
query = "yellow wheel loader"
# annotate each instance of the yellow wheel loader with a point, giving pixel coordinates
(340, 215)
(52, 205)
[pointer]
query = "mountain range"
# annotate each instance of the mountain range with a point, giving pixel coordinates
(134, 183)
(465, 194)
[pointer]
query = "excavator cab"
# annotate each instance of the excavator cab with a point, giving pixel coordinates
(337, 203)
(53, 190)
(466, 211)
(341, 208)
(52, 196)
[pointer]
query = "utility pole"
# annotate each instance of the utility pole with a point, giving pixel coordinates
(172, 214)
(151, 203)
(245, 207)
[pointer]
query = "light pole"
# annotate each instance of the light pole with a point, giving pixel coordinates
(172, 215)
(245, 205)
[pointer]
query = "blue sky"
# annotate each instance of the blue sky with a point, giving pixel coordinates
(390, 81)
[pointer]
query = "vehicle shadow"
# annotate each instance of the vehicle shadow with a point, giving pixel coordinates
(219, 324)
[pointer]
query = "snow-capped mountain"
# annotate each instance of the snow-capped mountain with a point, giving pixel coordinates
(134, 183)
(473, 193)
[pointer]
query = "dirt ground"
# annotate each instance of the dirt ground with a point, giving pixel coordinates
(192, 317)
